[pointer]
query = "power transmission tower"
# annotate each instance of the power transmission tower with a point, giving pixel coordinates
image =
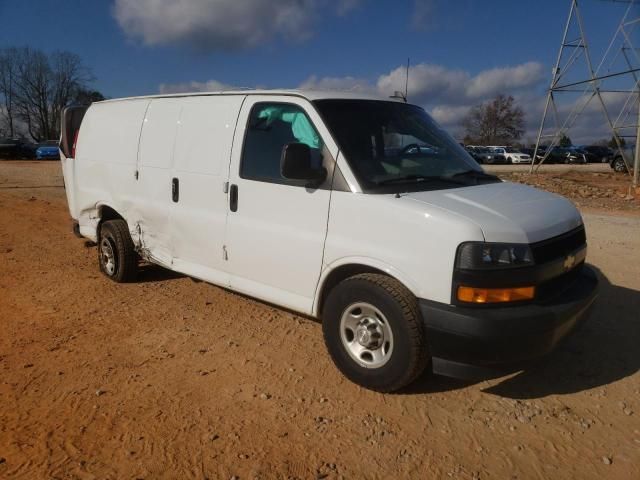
(621, 46)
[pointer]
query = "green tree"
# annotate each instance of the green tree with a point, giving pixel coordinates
(497, 122)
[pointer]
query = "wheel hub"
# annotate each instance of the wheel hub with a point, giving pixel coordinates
(108, 257)
(366, 335)
(369, 335)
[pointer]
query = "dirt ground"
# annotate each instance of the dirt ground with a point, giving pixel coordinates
(173, 378)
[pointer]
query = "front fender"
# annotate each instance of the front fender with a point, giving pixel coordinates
(368, 262)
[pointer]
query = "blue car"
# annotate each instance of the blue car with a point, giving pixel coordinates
(48, 151)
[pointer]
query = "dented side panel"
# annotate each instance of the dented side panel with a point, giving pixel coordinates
(150, 214)
(104, 170)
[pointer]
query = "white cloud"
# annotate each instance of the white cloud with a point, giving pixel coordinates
(496, 80)
(431, 84)
(222, 24)
(449, 115)
(209, 86)
(427, 83)
(448, 94)
(337, 83)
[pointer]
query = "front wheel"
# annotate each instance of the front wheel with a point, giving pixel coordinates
(374, 333)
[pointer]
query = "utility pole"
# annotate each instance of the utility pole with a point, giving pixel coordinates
(636, 161)
(590, 87)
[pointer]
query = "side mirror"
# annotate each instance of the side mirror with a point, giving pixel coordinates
(295, 164)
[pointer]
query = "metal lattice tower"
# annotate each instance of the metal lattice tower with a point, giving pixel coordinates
(592, 87)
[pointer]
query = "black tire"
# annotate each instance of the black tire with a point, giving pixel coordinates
(618, 165)
(409, 354)
(116, 253)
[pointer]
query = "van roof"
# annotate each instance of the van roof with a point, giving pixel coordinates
(307, 94)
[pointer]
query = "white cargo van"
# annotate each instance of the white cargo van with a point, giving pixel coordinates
(359, 211)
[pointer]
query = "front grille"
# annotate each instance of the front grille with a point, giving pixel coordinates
(553, 249)
(558, 285)
(558, 247)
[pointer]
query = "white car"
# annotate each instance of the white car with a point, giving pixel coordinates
(359, 211)
(513, 155)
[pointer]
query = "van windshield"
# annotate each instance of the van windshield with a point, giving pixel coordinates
(395, 147)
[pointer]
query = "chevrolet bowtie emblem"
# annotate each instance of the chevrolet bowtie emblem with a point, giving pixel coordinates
(569, 261)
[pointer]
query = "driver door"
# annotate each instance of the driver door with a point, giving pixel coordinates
(276, 228)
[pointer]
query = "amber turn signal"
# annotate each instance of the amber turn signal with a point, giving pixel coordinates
(495, 295)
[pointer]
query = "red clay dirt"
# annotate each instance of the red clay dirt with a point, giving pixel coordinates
(173, 378)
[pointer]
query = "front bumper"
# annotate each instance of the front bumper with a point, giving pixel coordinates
(497, 336)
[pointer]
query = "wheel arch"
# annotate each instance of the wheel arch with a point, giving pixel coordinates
(348, 267)
(105, 213)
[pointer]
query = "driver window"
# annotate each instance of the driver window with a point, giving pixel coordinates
(271, 126)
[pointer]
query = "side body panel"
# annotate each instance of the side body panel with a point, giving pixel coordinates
(149, 218)
(275, 239)
(103, 172)
(201, 165)
(412, 242)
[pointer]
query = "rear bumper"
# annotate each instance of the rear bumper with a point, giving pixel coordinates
(499, 336)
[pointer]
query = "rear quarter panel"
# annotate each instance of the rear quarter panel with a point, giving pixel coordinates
(105, 164)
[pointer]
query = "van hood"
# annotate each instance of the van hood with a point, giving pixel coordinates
(506, 212)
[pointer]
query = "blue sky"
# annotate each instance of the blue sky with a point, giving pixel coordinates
(135, 46)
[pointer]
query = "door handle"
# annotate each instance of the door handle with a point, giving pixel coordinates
(175, 189)
(233, 198)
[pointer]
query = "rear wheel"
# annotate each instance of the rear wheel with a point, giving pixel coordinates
(116, 252)
(374, 333)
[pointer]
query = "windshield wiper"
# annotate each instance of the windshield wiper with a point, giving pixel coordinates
(456, 178)
(418, 178)
(477, 174)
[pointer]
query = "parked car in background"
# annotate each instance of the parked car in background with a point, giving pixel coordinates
(16, 149)
(484, 155)
(48, 150)
(617, 162)
(528, 151)
(597, 153)
(513, 155)
(562, 155)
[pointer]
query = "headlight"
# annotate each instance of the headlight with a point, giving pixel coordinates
(481, 255)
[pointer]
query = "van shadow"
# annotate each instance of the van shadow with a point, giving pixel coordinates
(603, 350)
(150, 273)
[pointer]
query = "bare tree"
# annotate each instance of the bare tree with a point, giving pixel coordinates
(69, 77)
(33, 92)
(497, 122)
(7, 89)
(565, 141)
(37, 87)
